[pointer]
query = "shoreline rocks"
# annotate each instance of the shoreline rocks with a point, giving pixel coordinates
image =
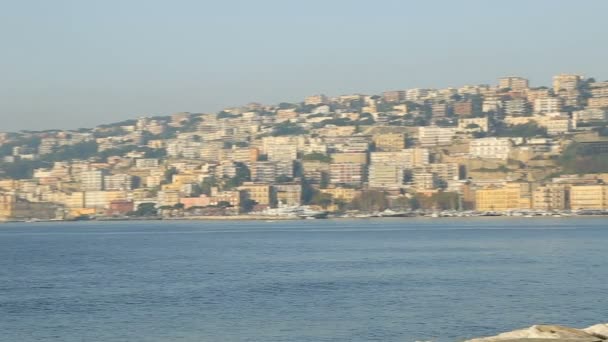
(547, 333)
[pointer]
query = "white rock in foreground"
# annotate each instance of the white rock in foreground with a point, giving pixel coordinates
(543, 332)
(598, 330)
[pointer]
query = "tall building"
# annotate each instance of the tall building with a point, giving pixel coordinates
(347, 173)
(284, 157)
(566, 82)
(467, 108)
(517, 107)
(259, 192)
(264, 171)
(515, 83)
(118, 182)
(394, 96)
(549, 197)
(316, 100)
(92, 180)
(288, 194)
(548, 105)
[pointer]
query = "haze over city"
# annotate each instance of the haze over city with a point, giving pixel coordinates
(71, 64)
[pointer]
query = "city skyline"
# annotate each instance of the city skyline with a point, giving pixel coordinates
(71, 65)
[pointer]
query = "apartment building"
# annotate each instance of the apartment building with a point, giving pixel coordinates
(566, 82)
(514, 83)
(548, 105)
(347, 173)
(434, 135)
(549, 197)
(261, 193)
(490, 148)
(511, 196)
(594, 197)
(389, 141)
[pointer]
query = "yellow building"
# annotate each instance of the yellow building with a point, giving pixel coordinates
(344, 194)
(549, 197)
(353, 157)
(511, 196)
(258, 192)
(589, 197)
(185, 178)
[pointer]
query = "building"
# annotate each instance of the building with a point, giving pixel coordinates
(120, 207)
(549, 197)
(118, 182)
(566, 82)
(597, 103)
(593, 197)
(283, 156)
(587, 115)
(259, 192)
(146, 163)
(422, 179)
(394, 96)
(343, 194)
(515, 83)
(347, 173)
(289, 194)
(386, 176)
(548, 105)
(511, 196)
(263, 171)
(538, 93)
(517, 107)
(490, 148)
(473, 124)
(556, 124)
(316, 100)
(467, 108)
(92, 180)
(315, 170)
(434, 135)
(439, 110)
(353, 157)
(389, 141)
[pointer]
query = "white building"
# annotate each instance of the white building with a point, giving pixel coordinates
(490, 148)
(434, 135)
(548, 105)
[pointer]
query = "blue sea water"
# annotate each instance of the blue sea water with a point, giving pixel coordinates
(322, 280)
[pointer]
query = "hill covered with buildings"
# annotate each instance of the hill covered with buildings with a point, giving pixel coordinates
(503, 148)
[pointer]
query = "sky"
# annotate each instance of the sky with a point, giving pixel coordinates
(71, 64)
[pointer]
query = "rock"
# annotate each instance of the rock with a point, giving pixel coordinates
(543, 333)
(600, 330)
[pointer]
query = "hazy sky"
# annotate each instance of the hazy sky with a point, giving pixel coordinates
(70, 64)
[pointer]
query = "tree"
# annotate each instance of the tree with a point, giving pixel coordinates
(527, 130)
(370, 201)
(247, 205)
(579, 159)
(207, 184)
(21, 169)
(317, 156)
(287, 128)
(322, 199)
(168, 176)
(145, 209)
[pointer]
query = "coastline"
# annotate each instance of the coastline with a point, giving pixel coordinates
(290, 218)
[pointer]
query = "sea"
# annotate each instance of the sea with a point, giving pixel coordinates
(402, 279)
